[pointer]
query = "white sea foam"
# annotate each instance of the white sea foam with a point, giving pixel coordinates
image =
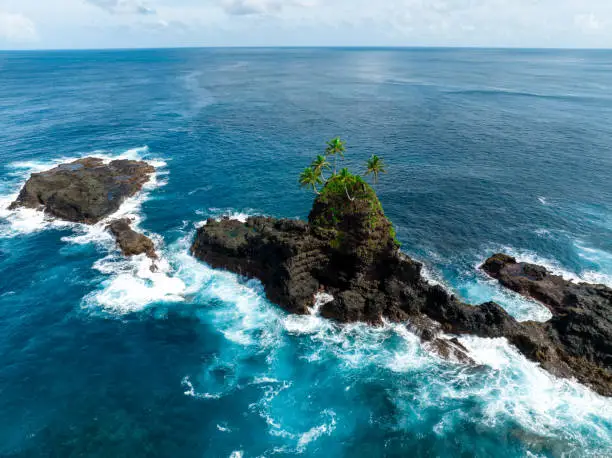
(317, 431)
(545, 233)
(431, 276)
(510, 389)
(534, 258)
(219, 213)
(190, 391)
(481, 288)
(602, 259)
(131, 283)
(26, 221)
(519, 389)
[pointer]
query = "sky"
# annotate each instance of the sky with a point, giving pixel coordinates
(61, 24)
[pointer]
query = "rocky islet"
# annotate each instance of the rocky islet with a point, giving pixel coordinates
(89, 190)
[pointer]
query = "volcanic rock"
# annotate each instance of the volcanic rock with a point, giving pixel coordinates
(131, 242)
(86, 190)
(348, 249)
(580, 330)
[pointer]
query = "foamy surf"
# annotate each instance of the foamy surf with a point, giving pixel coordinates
(481, 288)
(220, 213)
(505, 385)
(132, 283)
(23, 221)
(600, 259)
(540, 402)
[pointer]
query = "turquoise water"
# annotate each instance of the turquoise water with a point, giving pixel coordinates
(486, 150)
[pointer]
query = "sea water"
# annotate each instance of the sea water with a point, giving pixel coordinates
(486, 151)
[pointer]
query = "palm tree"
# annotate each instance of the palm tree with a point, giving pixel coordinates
(335, 148)
(310, 178)
(320, 164)
(346, 178)
(375, 165)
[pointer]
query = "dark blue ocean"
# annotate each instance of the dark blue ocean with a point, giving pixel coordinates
(487, 150)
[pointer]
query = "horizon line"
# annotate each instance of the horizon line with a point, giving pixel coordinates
(337, 47)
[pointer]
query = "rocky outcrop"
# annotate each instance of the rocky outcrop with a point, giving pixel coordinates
(129, 241)
(580, 330)
(348, 249)
(86, 190)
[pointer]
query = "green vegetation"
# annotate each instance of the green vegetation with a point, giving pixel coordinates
(345, 181)
(375, 166)
(319, 164)
(310, 178)
(335, 147)
(346, 203)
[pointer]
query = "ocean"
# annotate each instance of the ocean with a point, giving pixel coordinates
(486, 151)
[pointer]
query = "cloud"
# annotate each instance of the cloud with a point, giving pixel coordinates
(258, 7)
(522, 23)
(124, 6)
(588, 22)
(17, 28)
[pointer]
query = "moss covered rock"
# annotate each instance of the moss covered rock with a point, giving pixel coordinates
(349, 215)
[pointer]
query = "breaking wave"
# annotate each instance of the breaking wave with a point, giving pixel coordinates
(501, 390)
(130, 283)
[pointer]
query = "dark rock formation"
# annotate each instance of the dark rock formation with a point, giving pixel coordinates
(131, 242)
(349, 249)
(580, 330)
(84, 191)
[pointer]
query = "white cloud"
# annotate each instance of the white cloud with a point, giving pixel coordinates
(260, 7)
(588, 22)
(17, 28)
(149, 23)
(124, 6)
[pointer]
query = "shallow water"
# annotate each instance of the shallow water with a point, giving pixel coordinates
(486, 151)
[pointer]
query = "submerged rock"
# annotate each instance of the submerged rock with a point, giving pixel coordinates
(348, 249)
(86, 190)
(131, 242)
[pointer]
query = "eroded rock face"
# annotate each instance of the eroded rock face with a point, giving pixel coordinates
(131, 242)
(581, 326)
(348, 249)
(86, 190)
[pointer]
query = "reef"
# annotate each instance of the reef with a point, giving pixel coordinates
(348, 249)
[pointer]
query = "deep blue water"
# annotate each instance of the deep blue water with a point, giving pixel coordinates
(486, 151)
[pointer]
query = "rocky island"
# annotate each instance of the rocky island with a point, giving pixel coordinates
(348, 249)
(87, 191)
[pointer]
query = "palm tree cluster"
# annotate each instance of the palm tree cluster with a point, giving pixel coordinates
(313, 176)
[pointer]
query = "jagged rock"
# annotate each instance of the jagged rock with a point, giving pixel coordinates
(580, 332)
(131, 242)
(348, 248)
(86, 190)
